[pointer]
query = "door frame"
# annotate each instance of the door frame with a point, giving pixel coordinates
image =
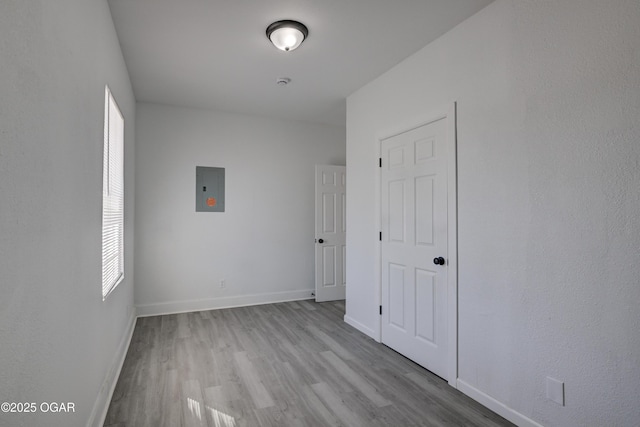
(447, 112)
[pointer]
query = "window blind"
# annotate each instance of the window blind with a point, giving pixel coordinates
(112, 196)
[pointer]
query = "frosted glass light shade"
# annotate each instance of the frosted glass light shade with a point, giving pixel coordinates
(287, 35)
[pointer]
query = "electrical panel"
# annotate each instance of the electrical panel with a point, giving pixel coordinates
(209, 189)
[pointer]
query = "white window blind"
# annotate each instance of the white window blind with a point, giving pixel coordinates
(112, 196)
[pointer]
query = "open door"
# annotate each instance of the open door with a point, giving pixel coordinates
(330, 233)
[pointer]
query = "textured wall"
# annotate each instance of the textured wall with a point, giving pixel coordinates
(548, 99)
(58, 339)
(263, 244)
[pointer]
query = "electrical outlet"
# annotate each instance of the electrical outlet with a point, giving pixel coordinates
(223, 283)
(555, 391)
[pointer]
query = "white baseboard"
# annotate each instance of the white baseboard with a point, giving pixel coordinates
(496, 406)
(101, 405)
(174, 307)
(361, 327)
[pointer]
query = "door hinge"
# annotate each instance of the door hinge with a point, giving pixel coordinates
(380, 161)
(380, 310)
(380, 236)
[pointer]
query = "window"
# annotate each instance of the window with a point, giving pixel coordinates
(112, 196)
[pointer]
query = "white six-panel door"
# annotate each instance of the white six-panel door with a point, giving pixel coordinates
(414, 234)
(330, 232)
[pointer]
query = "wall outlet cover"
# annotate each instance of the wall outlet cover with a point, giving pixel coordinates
(555, 391)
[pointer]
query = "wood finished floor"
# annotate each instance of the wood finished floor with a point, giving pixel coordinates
(288, 364)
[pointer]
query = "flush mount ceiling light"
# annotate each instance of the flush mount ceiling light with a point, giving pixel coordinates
(287, 35)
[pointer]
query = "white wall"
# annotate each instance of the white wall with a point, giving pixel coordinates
(262, 245)
(548, 99)
(58, 340)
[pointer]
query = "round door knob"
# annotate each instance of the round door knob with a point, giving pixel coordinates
(320, 241)
(438, 261)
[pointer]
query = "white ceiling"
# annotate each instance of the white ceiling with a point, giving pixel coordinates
(215, 54)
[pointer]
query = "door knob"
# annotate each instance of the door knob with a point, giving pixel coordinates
(320, 241)
(438, 261)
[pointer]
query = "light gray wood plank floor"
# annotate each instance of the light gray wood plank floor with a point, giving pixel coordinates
(287, 364)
